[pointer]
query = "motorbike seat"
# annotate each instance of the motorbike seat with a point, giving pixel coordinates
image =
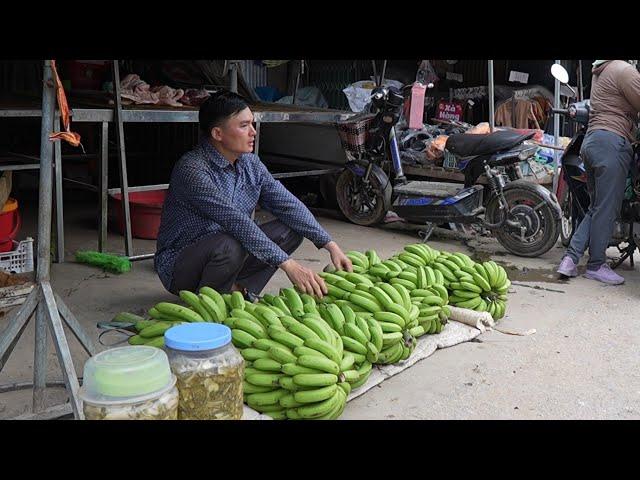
(468, 145)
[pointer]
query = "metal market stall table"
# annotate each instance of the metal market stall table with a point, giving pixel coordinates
(263, 113)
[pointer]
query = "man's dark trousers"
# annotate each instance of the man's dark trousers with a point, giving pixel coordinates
(219, 260)
(607, 158)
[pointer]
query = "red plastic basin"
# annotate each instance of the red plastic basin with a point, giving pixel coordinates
(145, 209)
(10, 222)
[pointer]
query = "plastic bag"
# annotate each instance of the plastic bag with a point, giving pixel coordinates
(436, 147)
(480, 129)
(359, 93)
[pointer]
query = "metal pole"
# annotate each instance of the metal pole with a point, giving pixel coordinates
(556, 132)
(233, 76)
(580, 82)
(44, 236)
(256, 146)
(298, 75)
(375, 73)
(490, 88)
(104, 177)
(122, 154)
(57, 153)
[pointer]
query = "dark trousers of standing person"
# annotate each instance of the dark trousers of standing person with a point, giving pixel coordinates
(219, 261)
(607, 158)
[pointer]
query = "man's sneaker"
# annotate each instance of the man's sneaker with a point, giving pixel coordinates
(250, 296)
(605, 275)
(567, 267)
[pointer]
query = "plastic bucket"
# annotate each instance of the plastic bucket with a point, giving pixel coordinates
(10, 223)
(145, 209)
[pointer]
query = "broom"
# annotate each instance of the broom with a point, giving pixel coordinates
(112, 263)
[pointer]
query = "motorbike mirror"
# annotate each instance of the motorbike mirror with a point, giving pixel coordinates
(559, 73)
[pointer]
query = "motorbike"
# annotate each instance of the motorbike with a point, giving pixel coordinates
(523, 216)
(572, 185)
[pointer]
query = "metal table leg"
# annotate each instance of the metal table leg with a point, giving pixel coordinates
(256, 146)
(57, 158)
(44, 242)
(124, 184)
(103, 186)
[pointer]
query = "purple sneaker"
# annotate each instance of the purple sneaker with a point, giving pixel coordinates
(567, 267)
(605, 275)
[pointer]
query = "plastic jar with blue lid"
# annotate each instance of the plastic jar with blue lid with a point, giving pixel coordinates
(209, 371)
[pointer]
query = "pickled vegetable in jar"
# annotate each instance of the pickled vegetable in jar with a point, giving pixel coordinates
(129, 383)
(209, 371)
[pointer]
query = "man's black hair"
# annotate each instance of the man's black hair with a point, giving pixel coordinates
(217, 108)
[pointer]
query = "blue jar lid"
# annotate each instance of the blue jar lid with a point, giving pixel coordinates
(193, 337)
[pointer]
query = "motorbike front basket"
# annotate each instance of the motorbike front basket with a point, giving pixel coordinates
(355, 132)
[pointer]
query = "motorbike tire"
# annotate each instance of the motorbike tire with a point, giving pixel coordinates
(350, 196)
(547, 218)
(567, 222)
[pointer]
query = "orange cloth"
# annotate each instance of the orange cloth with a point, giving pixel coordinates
(71, 137)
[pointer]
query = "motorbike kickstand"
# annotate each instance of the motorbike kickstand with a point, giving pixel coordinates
(425, 234)
(626, 253)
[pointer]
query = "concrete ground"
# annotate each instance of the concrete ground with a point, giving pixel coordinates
(581, 363)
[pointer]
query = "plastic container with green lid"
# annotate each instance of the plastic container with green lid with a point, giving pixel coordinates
(129, 383)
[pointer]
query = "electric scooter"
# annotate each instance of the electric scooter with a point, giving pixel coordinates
(524, 216)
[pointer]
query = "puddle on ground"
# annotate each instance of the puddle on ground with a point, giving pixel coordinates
(524, 274)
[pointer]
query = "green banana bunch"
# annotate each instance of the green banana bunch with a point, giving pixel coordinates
(481, 287)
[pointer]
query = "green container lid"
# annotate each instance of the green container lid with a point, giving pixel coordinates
(125, 372)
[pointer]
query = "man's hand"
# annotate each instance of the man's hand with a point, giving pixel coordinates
(304, 278)
(339, 259)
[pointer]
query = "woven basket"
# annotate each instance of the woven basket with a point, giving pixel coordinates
(355, 132)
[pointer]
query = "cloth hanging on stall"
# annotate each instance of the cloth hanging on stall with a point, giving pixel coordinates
(522, 113)
(67, 135)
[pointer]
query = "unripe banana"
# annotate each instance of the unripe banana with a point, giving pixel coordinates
(252, 354)
(242, 339)
(252, 327)
(388, 327)
(323, 407)
(353, 346)
(282, 354)
(319, 363)
(319, 326)
(353, 331)
(348, 360)
(288, 401)
(287, 384)
(389, 339)
(264, 379)
(287, 339)
(376, 333)
(315, 379)
(315, 395)
(470, 304)
(265, 399)
(366, 303)
(325, 348)
(292, 369)
(392, 317)
(248, 389)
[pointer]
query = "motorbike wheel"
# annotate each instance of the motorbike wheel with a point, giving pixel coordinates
(541, 222)
(362, 204)
(567, 226)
